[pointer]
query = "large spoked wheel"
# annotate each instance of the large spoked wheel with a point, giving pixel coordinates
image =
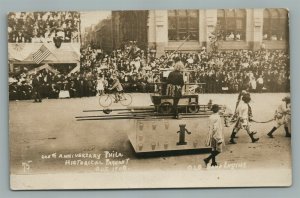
(193, 107)
(125, 99)
(165, 108)
(105, 100)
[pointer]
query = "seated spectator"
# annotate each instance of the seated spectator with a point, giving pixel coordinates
(231, 36)
(37, 26)
(238, 36)
(274, 37)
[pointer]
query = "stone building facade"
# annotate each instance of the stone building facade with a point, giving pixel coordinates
(190, 30)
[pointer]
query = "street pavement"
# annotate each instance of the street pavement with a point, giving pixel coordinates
(40, 132)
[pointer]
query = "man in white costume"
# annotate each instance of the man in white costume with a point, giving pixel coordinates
(243, 121)
(282, 117)
(215, 137)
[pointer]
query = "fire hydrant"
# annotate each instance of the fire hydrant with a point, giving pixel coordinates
(182, 134)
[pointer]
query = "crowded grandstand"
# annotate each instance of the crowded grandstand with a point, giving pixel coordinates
(219, 71)
(37, 27)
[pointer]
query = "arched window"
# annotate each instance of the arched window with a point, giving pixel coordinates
(231, 24)
(275, 25)
(183, 25)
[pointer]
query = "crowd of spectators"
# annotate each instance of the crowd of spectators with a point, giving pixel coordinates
(141, 71)
(37, 27)
(231, 36)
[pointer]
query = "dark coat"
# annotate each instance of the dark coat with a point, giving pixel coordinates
(175, 78)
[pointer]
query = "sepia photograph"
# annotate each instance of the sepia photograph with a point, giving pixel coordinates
(130, 99)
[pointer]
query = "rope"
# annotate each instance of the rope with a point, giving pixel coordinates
(170, 56)
(231, 122)
(263, 121)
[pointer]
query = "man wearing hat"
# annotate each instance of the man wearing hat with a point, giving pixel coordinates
(215, 137)
(240, 96)
(118, 86)
(37, 87)
(282, 117)
(243, 119)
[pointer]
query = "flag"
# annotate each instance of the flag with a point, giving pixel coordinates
(41, 54)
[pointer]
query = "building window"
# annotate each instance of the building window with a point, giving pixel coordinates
(183, 25)
(231, 24)
(275, 26)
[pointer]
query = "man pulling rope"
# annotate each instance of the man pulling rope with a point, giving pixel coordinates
(282, 117)
(243, 120)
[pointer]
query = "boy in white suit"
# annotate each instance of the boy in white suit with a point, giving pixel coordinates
(215, 138)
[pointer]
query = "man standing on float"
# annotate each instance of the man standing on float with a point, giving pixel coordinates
(175, 83)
